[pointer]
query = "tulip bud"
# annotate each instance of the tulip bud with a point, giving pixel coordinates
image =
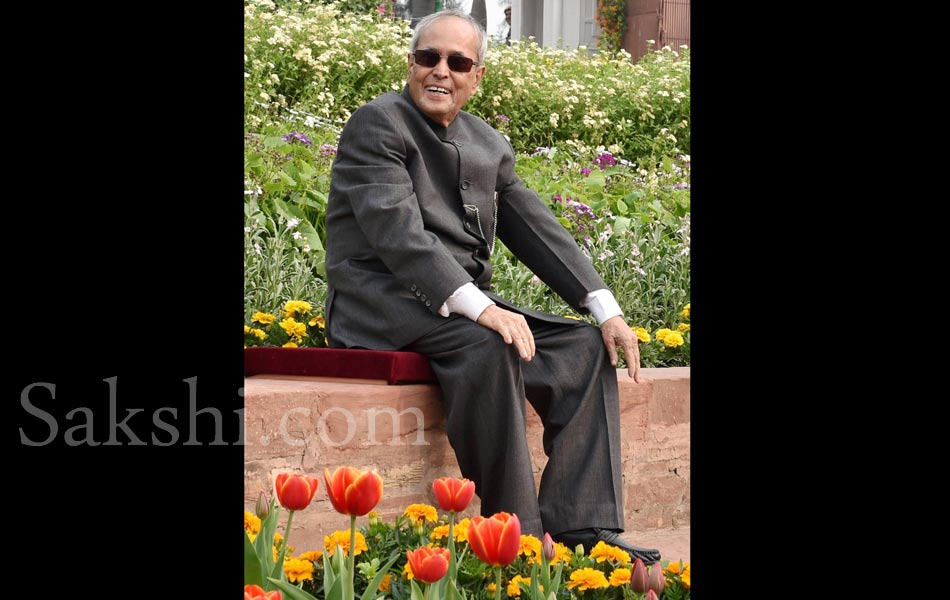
(657, 579)
(651, 595)
(639, 582)
(374, 518)
(263, 507)
(547, 547)
(417, 528)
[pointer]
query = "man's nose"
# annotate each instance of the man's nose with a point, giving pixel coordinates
(441, 69)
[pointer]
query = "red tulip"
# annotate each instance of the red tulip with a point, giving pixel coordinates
(294, 492)
(256, 592)
(428, 564)
(639, 582)
(453, 494)
(657, 579)
(353, 492)
(495, 540)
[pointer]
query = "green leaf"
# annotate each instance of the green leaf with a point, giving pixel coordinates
(370, 593)
(622, 207)
(287, 179)
(621, 225)
(253, 160)
(667, 164)
(252, 564)
(290, 591)
(595, 180)
(416, 591)
(273, 141)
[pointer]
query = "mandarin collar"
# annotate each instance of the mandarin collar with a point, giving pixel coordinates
(447, 134)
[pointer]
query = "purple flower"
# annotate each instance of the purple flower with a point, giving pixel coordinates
(327, 150)
(382, 9)
(585, 171)
(293, 135)
(503, 118)
(681, 186)
(557, 198)
(605, 160)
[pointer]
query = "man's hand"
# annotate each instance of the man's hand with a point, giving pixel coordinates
(512, 327)
(617, 333)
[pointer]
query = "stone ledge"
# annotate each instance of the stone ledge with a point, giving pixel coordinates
(308, 424)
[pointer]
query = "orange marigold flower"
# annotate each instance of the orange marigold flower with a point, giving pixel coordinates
(342, 539)
(620, 577)
(603, 551)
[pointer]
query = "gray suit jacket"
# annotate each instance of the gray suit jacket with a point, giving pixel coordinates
(412, 215)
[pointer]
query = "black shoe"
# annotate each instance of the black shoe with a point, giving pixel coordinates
(590, 537)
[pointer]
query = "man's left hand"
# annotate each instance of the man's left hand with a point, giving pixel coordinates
(617, 333)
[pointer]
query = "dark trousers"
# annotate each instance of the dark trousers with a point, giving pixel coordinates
(572, 386)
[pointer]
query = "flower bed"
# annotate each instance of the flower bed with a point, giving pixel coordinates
(420, 550)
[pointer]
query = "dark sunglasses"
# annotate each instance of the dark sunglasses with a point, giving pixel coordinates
(456, 62)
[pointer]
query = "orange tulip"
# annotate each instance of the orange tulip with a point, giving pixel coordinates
(428, 564)
(453, 494)
(294, 492)
(495, 540)
(353, 492)
(256, 592)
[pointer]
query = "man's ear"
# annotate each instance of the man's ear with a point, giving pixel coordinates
(479, 73)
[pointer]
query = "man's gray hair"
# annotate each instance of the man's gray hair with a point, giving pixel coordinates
(428, 20)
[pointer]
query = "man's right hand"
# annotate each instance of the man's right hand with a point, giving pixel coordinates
(511, 326)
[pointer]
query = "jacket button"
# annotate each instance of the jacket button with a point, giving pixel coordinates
(468, 225)
(465, 184)
(423, 297)
(418, 293)
(413, 288)
(428, 303)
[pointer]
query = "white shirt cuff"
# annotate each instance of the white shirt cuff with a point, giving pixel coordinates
(602, 305)
(468, 300)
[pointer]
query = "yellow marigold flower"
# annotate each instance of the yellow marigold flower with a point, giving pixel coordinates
(384, 584)
(674, 567)
(313, 555)
(620, 577)
(442, 531)
(572, 317)
(407, 571)
(685, 577)
(298, 330)
(491, 587)
(289, 345)
(530, 546)
(252, 537)
(296, 307)
(278, 538)
(318, 321)
(260, 333)
(662, 333)
(603, 551)
(298, 569)
(342, 539)
(683, 327)
(251, 523)
(513, 588)
(263, 318)
(642, 334)
(561, 554)
(587, 579)
(418, 512)
(247, 329)
(461, 530)
(685, 312)
(673, 339)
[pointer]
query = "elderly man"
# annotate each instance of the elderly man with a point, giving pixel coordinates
(419, 191)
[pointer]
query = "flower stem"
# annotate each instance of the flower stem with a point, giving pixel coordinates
(351, 560)
(285, 545)
(453, 566)
(497, 583)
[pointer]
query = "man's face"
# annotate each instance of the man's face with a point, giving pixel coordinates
(438, 91)
(508, 16)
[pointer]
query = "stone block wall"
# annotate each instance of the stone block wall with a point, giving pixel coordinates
(306, 424)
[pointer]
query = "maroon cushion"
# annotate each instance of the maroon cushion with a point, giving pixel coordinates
(394, 367)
